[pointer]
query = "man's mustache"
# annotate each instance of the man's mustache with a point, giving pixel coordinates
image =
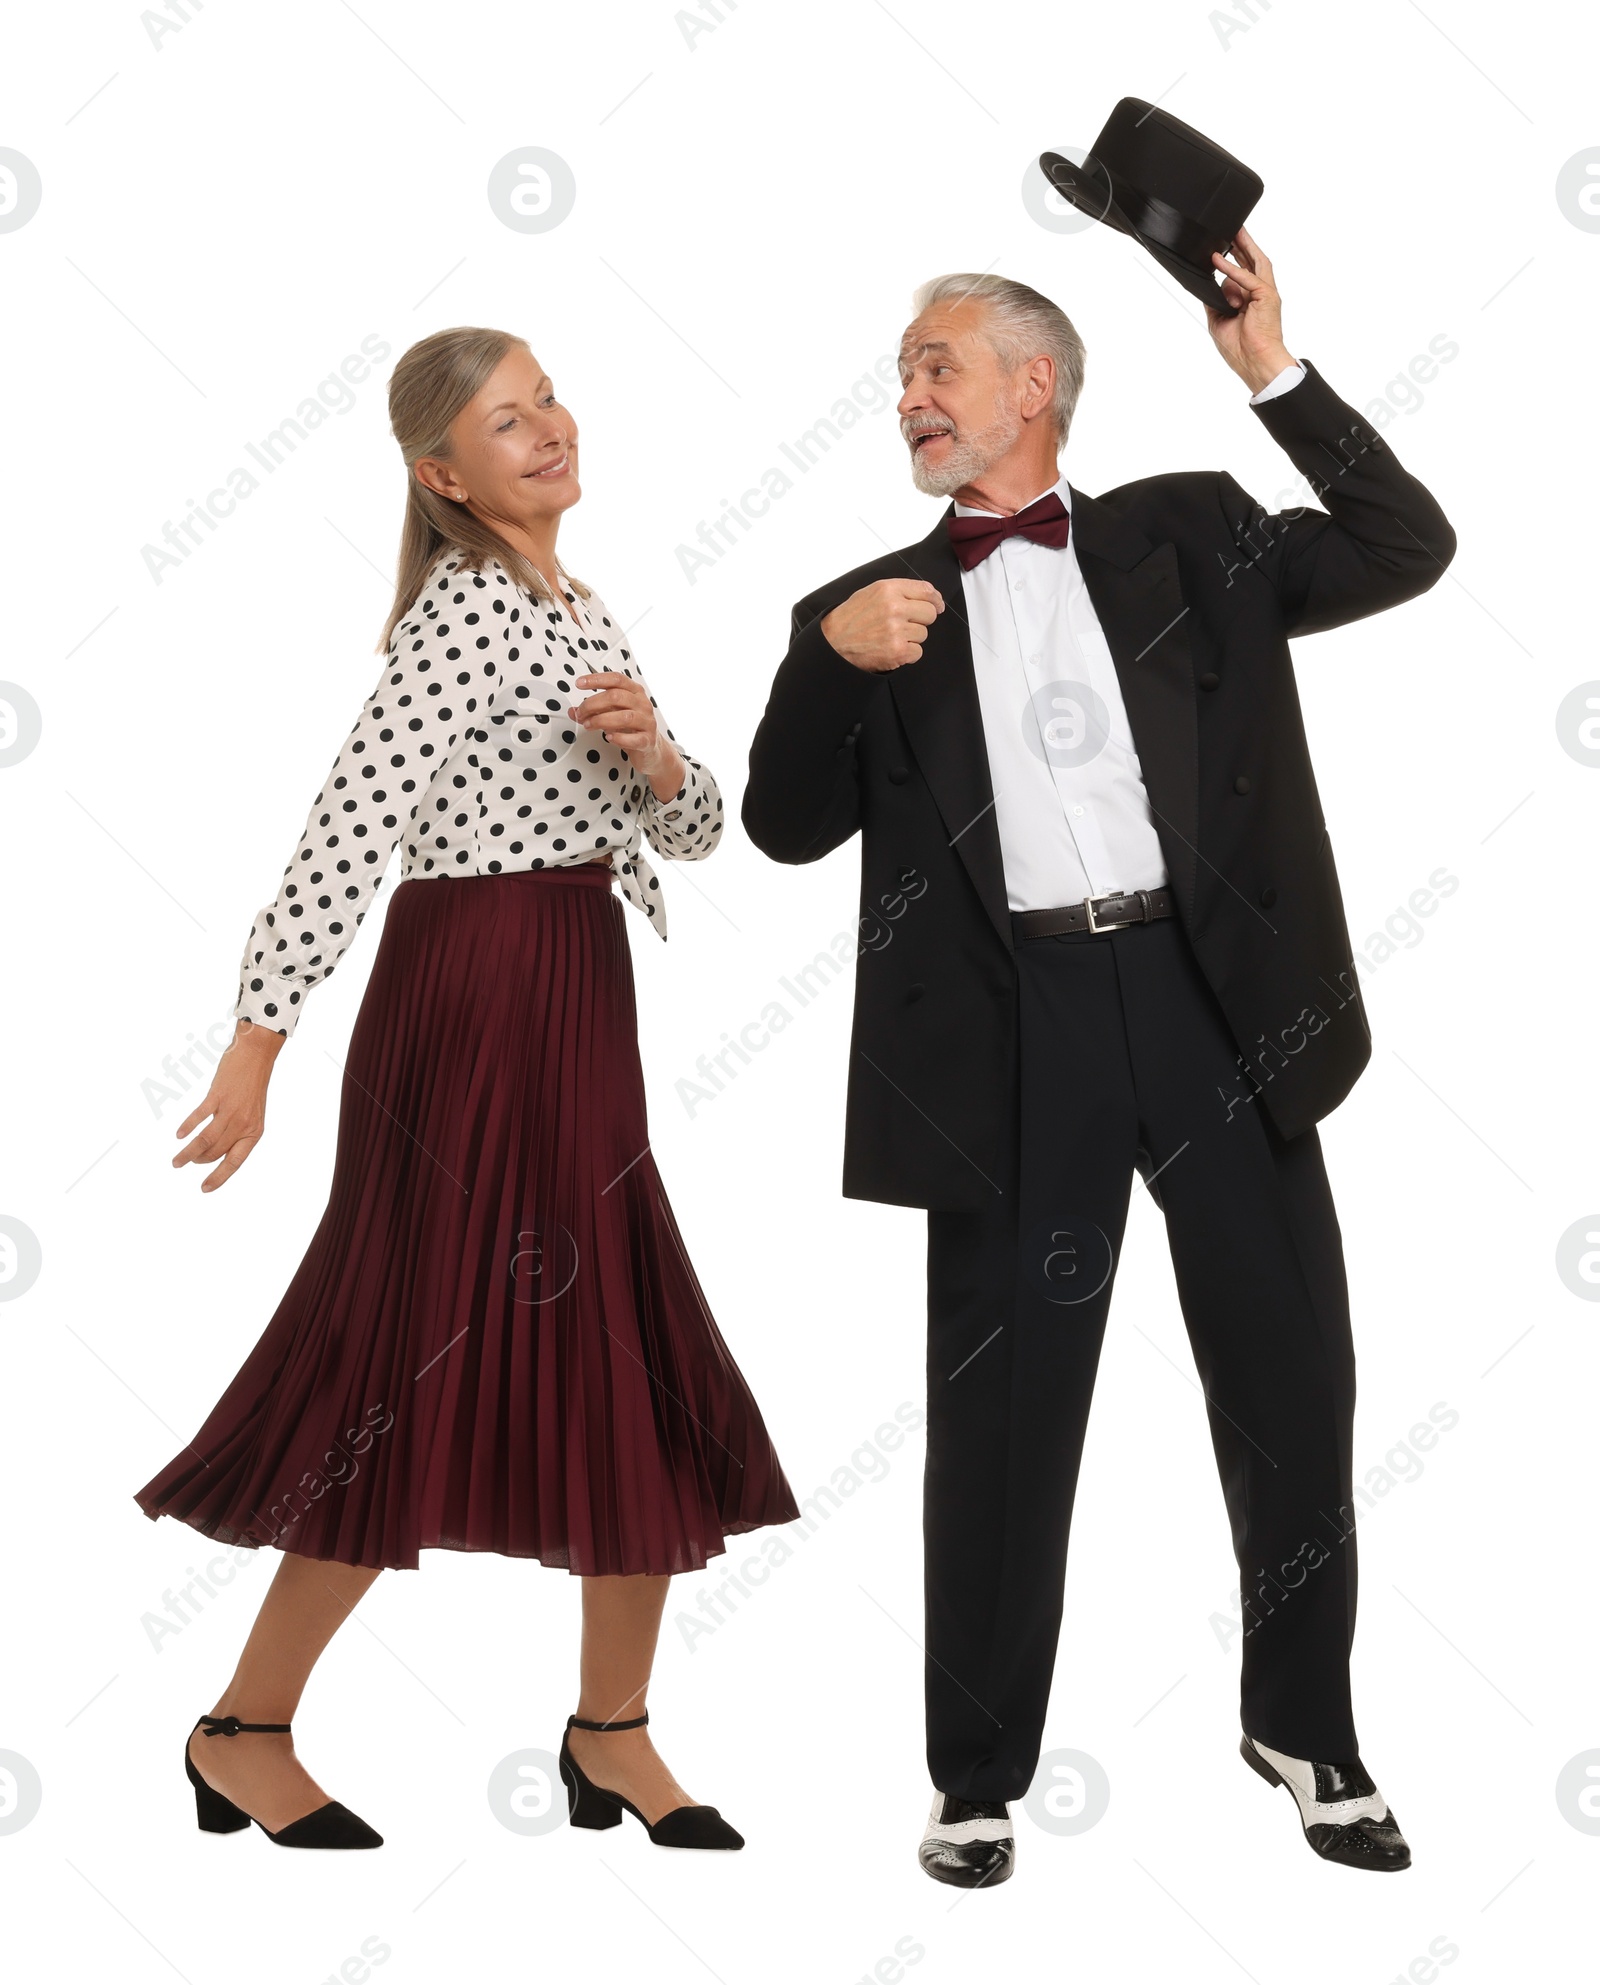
(912, 426)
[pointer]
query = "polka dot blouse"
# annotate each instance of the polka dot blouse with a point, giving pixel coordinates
(466, 753)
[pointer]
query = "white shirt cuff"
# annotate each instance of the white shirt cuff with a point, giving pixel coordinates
(1291, 375)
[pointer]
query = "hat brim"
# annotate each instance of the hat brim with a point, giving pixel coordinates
(1094, 190)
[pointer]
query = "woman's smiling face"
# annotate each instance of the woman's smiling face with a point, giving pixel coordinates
(514, 448)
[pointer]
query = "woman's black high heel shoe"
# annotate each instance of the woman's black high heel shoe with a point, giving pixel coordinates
(331, 1825)
(591, 1805)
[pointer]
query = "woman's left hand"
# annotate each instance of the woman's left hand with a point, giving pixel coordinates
(623, 714)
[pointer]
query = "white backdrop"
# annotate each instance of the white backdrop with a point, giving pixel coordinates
(230, 203)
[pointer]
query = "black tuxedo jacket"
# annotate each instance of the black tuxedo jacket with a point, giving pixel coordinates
(1198, 591)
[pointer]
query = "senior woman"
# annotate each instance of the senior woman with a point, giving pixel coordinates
(495, 1341)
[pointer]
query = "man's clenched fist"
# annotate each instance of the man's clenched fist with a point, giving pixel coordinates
(885, 624)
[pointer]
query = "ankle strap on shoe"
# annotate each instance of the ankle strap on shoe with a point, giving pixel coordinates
(230, 1726)
(632, 1723)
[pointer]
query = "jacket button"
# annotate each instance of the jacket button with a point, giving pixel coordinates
(1268, 898)
(914, 992)
(1241, 784)
(898, 774)
(1210, 679)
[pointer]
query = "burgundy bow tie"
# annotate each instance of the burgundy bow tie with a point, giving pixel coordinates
(973, 538)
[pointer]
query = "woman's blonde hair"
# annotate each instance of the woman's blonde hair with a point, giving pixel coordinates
(431, 384)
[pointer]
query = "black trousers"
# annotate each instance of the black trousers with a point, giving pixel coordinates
(1126, 1062)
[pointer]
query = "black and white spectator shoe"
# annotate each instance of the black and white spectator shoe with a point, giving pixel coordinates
(968, 1842)
(1346, 1818)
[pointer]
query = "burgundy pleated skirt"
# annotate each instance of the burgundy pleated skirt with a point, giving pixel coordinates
(495, 1341)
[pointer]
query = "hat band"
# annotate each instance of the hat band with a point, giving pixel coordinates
(1164, 225)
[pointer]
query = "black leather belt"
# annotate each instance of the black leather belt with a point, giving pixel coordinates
(1095, 914)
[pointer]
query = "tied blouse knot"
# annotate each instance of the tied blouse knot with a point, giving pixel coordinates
(465, 748)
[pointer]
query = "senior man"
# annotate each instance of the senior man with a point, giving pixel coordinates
(1070, 722)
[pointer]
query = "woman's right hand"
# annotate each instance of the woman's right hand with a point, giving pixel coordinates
(236, 1104)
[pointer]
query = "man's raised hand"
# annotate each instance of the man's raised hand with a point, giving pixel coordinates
(1252, 342)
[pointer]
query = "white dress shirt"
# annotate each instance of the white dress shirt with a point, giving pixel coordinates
(465, 750)
(1069, 799)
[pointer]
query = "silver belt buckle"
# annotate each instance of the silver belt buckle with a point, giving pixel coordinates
(1121, 923)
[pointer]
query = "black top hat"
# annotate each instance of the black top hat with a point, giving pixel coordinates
(1168, 186)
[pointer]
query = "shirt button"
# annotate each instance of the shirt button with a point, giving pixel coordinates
(1016, 585)
(1077, 809)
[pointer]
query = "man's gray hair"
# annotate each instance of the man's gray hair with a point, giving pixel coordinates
(1020, 325)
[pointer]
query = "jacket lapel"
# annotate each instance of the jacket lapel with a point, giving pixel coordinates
(1138, 599)
(937, 698)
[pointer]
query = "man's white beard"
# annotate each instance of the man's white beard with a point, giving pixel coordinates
(969, 456)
